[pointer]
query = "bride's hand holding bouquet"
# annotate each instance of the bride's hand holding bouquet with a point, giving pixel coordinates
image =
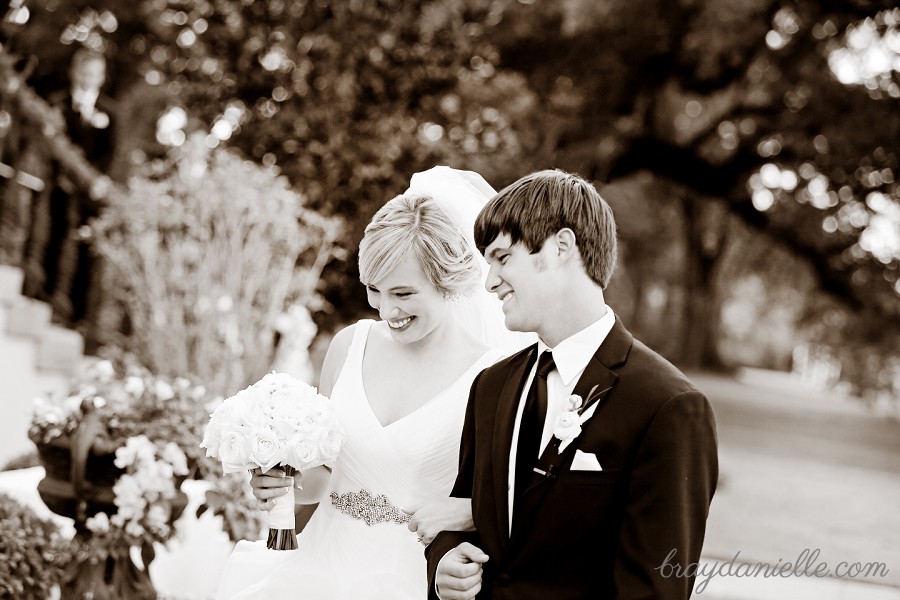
(277, 425)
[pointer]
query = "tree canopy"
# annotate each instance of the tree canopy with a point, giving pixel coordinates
(708, 124)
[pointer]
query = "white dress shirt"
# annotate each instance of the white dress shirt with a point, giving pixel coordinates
(571, 356)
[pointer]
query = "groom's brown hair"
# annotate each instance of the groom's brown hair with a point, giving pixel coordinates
(538, 205)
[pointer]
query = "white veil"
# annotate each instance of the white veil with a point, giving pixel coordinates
(461, 195)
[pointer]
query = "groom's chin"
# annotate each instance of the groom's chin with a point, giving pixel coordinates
(514, 324)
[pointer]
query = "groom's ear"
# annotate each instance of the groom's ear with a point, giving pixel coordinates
(566, 243)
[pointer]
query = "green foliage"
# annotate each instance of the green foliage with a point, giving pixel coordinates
(32, 552)
(737, 105)
(348, 98)
(204, 258)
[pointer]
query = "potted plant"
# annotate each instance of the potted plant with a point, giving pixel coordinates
(115, 453)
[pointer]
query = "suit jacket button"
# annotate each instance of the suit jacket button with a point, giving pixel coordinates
(503, 580)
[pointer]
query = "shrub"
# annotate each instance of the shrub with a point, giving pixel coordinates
(32, 552)
(204, 257)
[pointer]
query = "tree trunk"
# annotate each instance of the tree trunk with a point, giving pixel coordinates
(701, 322)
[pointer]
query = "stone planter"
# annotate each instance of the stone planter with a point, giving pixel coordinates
(80, 472)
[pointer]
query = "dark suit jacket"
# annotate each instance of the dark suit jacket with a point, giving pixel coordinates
(582, 535)
(96, 142)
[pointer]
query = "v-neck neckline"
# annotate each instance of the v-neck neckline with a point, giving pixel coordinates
(422, 406)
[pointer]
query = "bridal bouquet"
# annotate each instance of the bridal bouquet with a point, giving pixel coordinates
(276, 422)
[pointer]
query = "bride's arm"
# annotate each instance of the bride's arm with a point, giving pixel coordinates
(314, 482)
(450, 514)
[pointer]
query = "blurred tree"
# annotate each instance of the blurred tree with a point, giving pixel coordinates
(783, 113)
(779, 113)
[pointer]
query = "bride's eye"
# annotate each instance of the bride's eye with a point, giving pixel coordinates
(404, 294)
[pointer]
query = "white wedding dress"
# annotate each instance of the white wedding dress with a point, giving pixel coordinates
(408, 463)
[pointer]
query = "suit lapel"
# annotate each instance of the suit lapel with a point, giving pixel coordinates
(594, 386)
(504, 423)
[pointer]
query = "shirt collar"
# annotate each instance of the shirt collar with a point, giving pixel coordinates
(574, 353)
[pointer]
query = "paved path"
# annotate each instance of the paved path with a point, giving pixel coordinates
(802, 470)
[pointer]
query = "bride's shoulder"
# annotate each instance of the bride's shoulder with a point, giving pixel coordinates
(336, 355)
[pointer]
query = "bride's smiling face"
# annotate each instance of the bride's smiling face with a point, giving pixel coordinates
(407, 300)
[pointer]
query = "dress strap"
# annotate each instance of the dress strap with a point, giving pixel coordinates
(358, 343)
(350, 372)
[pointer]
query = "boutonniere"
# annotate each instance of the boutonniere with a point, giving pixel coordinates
(568, 424)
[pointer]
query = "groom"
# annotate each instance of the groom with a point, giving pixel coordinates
(590, 460)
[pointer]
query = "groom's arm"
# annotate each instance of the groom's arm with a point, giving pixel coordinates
(668, 501)
(446, 541)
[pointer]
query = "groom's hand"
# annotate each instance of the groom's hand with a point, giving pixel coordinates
(269, 486)
(459, 572)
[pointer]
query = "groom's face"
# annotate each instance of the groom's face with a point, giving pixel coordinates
(523, 281)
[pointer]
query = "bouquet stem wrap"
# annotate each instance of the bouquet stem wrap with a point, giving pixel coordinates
(282, 534)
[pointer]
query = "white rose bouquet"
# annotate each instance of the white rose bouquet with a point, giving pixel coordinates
(278, 421)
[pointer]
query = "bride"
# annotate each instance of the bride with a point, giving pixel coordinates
(400, 387)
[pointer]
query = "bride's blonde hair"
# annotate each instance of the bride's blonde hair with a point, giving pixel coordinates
(415, 223)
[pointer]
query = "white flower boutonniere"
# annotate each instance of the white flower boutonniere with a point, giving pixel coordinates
(568, 424)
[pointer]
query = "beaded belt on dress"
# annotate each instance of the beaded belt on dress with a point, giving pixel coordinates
(366, 507)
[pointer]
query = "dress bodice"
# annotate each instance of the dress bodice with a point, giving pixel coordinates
(412, 460)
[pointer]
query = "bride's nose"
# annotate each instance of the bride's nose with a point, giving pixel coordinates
(386, 311)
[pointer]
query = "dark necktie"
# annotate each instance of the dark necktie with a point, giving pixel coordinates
(532, 426)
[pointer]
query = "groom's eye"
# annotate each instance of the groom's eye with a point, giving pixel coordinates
(504, 258)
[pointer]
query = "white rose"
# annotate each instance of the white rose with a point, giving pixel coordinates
(284, 428)
(266, 450)
(212, 437)
(253, 414)
(301, 454)
(330, 445)
(234, 452)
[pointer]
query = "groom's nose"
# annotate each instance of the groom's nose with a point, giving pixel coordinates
(493, 280)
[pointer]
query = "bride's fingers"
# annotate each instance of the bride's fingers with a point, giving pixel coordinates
(266, 481)
(269, 493)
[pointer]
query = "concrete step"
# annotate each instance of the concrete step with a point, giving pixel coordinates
(37, 358)
(59, 350)
(18, 387)
(27, 317)
(11, 279)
